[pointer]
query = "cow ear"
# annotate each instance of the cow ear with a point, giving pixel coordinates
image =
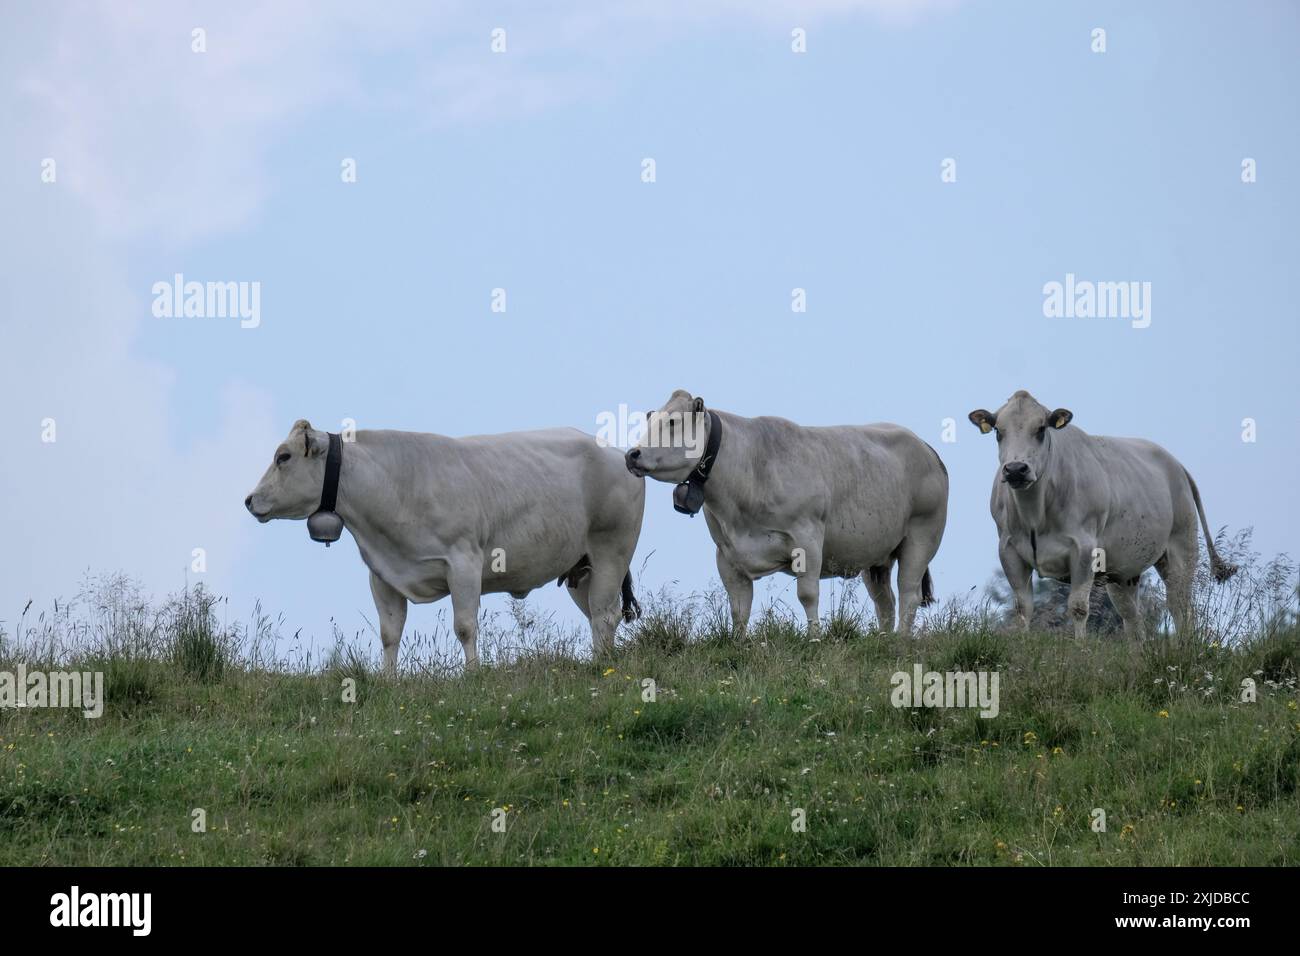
(314, 443)
(983, 420)
(1060, 418)
(300, 436)
(699, 405)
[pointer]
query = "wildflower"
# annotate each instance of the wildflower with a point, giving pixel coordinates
(1163, 713)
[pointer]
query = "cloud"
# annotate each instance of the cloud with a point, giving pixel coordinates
(159, 148)
(116, 489)
(164, 142)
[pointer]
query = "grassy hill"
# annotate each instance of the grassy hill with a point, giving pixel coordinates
(741, 736)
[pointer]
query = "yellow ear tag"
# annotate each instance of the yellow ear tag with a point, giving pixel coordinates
(985, 428)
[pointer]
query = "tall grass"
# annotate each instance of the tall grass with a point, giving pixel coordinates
(694, 745)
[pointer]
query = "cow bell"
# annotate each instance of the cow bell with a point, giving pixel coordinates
(325, 526)
(688, 498)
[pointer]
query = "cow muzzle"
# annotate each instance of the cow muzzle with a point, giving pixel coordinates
(633, 461)
(1018, 475)
(262, 518)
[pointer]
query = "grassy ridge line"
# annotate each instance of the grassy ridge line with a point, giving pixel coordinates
(741, 734)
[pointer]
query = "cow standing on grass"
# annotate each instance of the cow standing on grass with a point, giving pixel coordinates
(434, 516)
(1079, 507)
(811, 502)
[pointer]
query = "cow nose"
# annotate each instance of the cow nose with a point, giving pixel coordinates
(634, 454)
(1015, 469)
(248, 502)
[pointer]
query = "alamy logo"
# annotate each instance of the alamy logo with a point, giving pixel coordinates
(655, 429)
(179, 299)
(949, 689)
(1083, 299)
(103, 909)
(83, 690)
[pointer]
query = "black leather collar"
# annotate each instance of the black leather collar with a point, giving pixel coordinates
(333, 465)
(324, 525)
(688, 496)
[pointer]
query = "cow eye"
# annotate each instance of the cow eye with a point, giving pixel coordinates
(281, 458)
(999, 434)
(1042, 430)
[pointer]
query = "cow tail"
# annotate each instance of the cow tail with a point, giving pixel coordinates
(1220, 569)
(631, 609)
(927, 589)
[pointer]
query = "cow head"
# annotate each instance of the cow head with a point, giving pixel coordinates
(674, 439)
(1024, 429)
(291, 487)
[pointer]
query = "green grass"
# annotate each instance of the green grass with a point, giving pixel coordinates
(742, 734)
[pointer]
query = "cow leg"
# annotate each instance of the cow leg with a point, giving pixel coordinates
(740, 593)
(600, 595)
(1177, 568)
(1021, 578)
(1124, 597)
(391, 605)
(914, 556)
(1081, 578)
(604, 601)
(582, 596)
(882, 594)
(808, 586)
(911, 571)
(466, 586)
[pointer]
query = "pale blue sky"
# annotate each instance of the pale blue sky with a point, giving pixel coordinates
(522, 170)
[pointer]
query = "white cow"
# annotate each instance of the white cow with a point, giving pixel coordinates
(811, 502)
(434, 516)
(1079, 507)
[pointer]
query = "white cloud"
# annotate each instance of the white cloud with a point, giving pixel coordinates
(163, 141)
(159, 147)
